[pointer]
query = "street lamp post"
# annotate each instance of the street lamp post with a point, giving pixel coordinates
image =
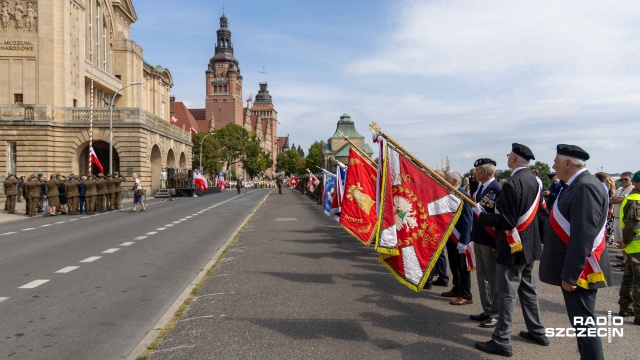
(201, 142)
(111, 124)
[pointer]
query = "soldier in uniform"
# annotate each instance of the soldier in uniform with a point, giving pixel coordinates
(33, 187)
(108, 195)
(101, 187)
(43, 191)
(279, 183)
(73, 194)
(90, 193)
(11, 191)
(117, 196)
(238, 185)
(53, 194)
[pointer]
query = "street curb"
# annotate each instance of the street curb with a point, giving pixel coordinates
(153, 334)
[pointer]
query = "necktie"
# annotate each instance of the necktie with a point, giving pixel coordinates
(479, 191)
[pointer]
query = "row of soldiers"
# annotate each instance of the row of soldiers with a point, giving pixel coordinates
(102, 192)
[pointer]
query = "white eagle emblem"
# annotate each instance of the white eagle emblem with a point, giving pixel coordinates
(403, 214)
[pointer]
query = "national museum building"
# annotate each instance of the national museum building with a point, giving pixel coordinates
(46, 68)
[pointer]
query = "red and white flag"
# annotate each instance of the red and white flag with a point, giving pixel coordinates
(313, 182)
(293, 181)
(417, 215)
(249, 98)
(95, 161)
(192, 130)
(200, 182)
(221, 183)
(173, 119)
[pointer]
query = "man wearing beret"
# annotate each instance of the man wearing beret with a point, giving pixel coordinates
(518, 245)
(575, 255)
(484, 241)
(11, 191)
(630, 243)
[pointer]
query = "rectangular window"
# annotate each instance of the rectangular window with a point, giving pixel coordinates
(17, 99)
(12, 157)
(104, 47)
(75, 102)
(98, 35)
(162, 110)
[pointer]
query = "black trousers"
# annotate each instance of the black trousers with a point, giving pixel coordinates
(581, 303)
(460, 275)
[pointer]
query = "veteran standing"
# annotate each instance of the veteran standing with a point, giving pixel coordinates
(53, 196)
(108, 195)
(101, 188)
(90, 193)
(518, 245)
(575, 255)
(32, 187)
(73, 194)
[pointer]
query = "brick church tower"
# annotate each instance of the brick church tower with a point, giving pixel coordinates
(223, 102)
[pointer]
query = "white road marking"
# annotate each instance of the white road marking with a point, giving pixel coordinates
(27, 229)
(169, 225)
(199, 317)
(66, 269)
(9, 233)
(126, 243)
(140, 238)
(196, 214)
(73, 219)
(160, 229)
(61, 222)
(91, 259)
(110, 251)
(177, 222)
(4, 299)
(84, 217)
(188, 217)
(183, 219)
(151, 233)
(33, 284)
(45, 225)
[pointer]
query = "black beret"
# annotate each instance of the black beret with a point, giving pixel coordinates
(551, 175)
(484, 161)
(572, 151)
(523, 151)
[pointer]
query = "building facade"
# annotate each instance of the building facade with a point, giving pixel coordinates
(50, 51)
(337, 148)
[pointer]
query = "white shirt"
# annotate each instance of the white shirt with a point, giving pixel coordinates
(620, 192)
(483, 186)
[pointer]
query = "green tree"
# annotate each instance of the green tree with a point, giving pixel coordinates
(290, 162)
(300, 151)
(233, 140)
(503, 175)
(210, 153)
(314, 160)
(256, 160)
(544, 171)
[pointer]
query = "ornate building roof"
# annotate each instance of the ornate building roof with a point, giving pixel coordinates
(346, 127)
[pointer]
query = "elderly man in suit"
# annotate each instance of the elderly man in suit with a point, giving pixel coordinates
(484, 241)
(575, 255)
(517, 247)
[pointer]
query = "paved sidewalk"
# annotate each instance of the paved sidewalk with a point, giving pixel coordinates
(296, 286)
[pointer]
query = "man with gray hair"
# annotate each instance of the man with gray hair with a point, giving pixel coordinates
(518, 245)
(575, 254)
(458, 248)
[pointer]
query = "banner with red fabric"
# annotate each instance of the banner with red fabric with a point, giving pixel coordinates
(358, 215)
(417, 215)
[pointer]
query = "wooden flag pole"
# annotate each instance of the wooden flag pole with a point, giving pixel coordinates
(362, 153)
(374, 128)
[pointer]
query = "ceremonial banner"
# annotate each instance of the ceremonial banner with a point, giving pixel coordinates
(341, 175)
(329, 187)
(200, 181)
(313, 182)
(293, 181)
(417, 215)
(358, 215)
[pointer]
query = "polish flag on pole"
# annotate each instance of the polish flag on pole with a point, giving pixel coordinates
(95, 161)
(173, 119)
(249, 98)
(192, 130)
(200, 181)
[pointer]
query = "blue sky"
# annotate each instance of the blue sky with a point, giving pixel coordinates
(462, 79)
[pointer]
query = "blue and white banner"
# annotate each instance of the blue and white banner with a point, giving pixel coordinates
(329, 191)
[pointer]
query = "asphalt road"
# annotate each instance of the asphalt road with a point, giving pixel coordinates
(90, 287)
(295, 285)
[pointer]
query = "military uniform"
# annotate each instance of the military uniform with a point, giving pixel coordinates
(101, 188)
(630, 288)
(73, 194)
(117, 196)
(238, 185)
(33, 188)
(279, 183)
(11, 191)
(108, 195)
(52, 192)
(90, 194)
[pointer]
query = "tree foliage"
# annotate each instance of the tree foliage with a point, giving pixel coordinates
(255, 160)
(544, 171)
(314, 158)
(290, 162)
(300, 151)
(210, 153)
(504, 174)
(233, 140)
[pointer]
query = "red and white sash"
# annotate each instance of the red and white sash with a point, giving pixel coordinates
(513, 235)
(591, 272)
(469, 255)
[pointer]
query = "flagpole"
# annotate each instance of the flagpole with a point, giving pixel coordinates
(374, 128)
(362, 153)
(91, 108)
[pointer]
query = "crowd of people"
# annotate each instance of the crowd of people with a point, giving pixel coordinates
(59, 194)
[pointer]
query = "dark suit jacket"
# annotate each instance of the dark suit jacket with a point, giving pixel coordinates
(584, 205)
(463, 225)
(487, 199)
(518, 193)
